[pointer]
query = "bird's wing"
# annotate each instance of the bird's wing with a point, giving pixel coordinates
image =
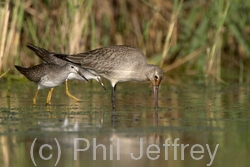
(31, 73)
(46, 55)
(105, 59)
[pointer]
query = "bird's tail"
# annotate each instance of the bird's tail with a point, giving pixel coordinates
(40, 52)
(22, 70)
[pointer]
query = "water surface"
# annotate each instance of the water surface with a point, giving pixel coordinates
(191, 115)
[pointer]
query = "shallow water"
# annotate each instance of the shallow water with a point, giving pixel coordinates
(195, 125)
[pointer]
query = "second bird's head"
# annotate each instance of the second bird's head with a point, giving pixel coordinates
(74, 69)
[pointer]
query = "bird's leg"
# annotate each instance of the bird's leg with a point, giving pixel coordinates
(113, 96)
(67, 92)
(49, 96)
(34, 99)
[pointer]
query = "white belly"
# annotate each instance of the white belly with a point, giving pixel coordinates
(45, 82)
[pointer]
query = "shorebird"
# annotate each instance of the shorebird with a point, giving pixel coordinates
(118, 63)
(48, 57)
(48, 76)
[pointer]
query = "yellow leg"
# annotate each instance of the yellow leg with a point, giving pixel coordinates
(67, 92)
(49, 96)
(34, 99)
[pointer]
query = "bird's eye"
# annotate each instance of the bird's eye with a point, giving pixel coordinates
(72, 67)
(156, 77)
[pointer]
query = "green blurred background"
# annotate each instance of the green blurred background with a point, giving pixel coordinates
(194, 37)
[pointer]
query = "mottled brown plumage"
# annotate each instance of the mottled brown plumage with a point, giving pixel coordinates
(118, 64)
(35, 73)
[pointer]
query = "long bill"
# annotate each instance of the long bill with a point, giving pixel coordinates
(78, 72)
(156, 87)
(101, 84)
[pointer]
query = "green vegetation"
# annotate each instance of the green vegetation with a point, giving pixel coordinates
(196, 36)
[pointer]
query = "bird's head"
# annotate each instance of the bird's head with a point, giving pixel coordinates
(155, 75)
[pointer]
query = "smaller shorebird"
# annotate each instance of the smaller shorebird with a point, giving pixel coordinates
(48, 57)
(118, 64)
(48, 76)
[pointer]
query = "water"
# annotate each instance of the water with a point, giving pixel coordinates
(210, 124)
